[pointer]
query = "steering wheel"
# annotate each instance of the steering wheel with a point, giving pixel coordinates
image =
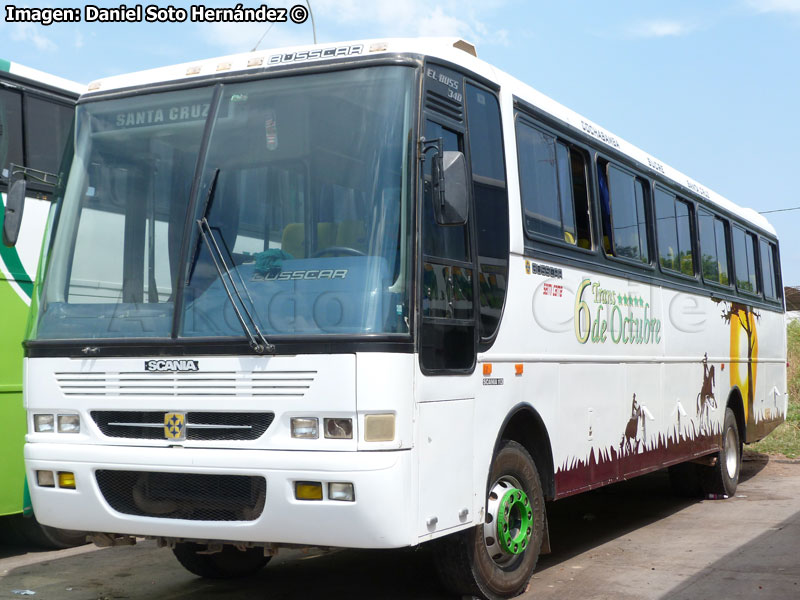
(345, 250)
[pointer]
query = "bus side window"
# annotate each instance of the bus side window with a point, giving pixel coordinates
(713, 247)
(768, 275)
(553, 187)
(10, 128)
(47, 125)
(624, 214)
(491, 204)
(580, 197)
(744, 260)
(444, 241)
(447, 341)
(674, 231)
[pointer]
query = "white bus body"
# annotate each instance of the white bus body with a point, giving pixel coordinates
(578, 330)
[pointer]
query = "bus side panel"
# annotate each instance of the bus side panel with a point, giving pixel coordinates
(644, 378)
(17, 269)
(12, 413)
(768, 371)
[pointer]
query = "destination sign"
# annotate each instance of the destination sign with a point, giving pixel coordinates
(167, 114)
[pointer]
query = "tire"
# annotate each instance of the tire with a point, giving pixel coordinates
(27, 530)
(228, 564)
(59, 538)
(463, 559)
(722, 478)
(684, 479)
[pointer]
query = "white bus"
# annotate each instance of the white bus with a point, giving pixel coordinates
(36, 113)
(375, 294)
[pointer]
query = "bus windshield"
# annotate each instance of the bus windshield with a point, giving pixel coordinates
(304, 188)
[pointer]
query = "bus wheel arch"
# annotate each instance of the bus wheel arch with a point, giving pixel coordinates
(736, 404)
(525, 426)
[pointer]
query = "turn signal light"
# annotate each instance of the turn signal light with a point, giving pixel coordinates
(308, 490)
(379, 428)
(66, 480)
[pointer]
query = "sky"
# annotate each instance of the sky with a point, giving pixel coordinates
(711, 88)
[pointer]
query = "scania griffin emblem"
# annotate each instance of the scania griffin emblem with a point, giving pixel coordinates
(175, 426)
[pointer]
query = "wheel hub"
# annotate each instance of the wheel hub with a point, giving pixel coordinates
(509, 521)
(731, 453)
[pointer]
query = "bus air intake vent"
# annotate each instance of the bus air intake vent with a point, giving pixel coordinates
(143, 384)
(200, 426)
(444, 106)
(188, 496)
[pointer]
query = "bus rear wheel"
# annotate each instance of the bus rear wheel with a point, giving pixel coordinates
(230, 563)
(496, 560)
(723, 478)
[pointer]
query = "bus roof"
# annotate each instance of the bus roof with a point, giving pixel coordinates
(41, 77)
(451, 49)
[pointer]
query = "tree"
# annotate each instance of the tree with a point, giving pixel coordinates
(740, 315)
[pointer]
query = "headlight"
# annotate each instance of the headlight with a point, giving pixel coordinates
(69, 423)
(43, 423)
(338, 429)
(306, 428)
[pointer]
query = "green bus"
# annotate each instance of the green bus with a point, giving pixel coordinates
(36, 111)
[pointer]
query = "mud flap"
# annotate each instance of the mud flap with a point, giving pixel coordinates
(545, 536)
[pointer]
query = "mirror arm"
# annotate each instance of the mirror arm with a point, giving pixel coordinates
(437, 169)
(425, 145)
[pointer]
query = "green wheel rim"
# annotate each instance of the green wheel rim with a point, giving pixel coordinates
(514, 522)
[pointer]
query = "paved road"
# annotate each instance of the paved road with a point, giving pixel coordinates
(629, 541)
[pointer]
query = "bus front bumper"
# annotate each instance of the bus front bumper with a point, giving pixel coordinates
(381, 516)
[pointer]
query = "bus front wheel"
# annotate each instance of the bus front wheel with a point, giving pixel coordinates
(227, 564)
(495, 560)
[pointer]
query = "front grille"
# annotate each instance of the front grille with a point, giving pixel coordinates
(261, 384)
(189, 496)
(200, 426)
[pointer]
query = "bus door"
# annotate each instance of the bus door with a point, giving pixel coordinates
(447, 328)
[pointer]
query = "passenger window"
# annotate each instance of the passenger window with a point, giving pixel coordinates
(47, 125)
(553, 187)
(624, 213)
(713, 247)
(10, 128)
(744, 260)
(673, 227)
(768, 274)
(447, 336)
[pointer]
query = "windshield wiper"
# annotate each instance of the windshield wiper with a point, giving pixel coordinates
(212, 189)
(258, 342)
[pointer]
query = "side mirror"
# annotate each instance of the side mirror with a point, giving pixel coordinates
(12, 219)
(450, 188)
